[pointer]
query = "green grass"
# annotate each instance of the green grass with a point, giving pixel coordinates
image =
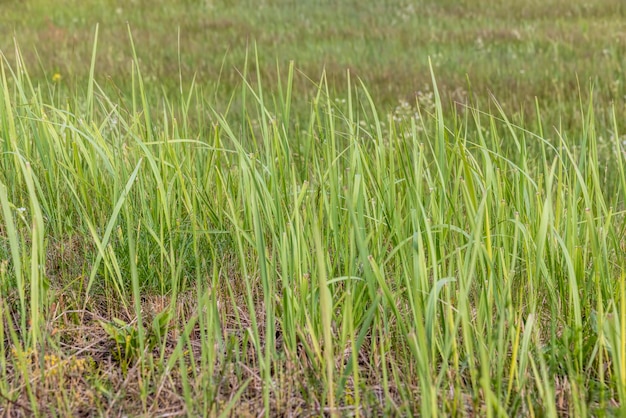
(381, 237)
(515, 50)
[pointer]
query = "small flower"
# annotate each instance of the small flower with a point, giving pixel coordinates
(21, 210)
(56, 77)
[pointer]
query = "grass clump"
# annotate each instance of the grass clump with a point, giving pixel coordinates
(343, 261)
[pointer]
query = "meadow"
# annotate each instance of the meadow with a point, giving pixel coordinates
(302, 208)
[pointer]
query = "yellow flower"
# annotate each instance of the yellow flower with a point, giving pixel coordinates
(56, 77)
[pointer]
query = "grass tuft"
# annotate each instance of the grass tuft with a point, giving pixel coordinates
(305, 255)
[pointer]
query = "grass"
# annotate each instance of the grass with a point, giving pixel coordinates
(283, 240)
(517, 51)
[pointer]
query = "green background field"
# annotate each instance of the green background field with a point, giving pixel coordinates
(516, 51)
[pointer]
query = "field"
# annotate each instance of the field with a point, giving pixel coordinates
(303, 208)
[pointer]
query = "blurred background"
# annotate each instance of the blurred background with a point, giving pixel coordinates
(551, 50)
